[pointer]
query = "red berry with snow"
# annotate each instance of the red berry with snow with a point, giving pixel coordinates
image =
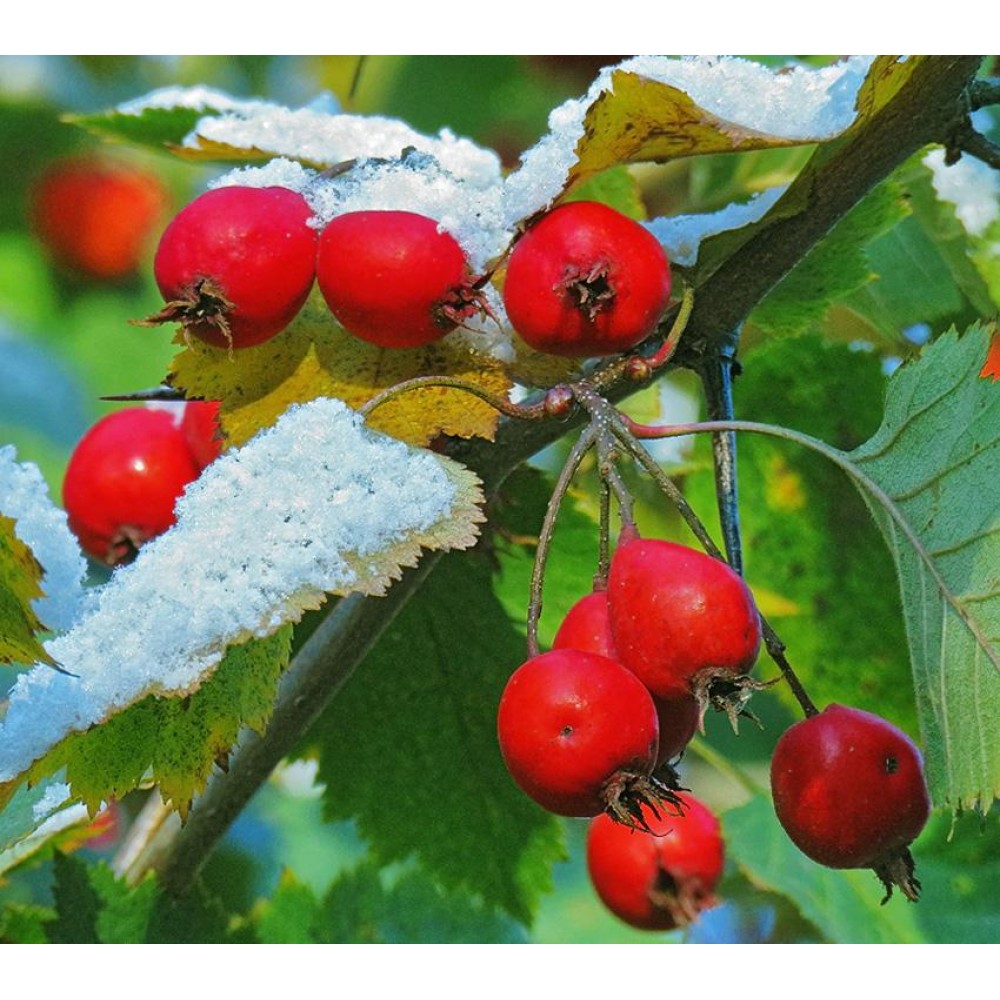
(585, 281)
(123, 480)
(661, 878)
(236, 265)
(850, 792)
(395, 279)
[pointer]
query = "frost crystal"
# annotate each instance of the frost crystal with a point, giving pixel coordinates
(263, 534)
(43, 527)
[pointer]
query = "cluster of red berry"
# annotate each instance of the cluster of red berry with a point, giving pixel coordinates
(128, 470)
(591, 727)
(237, 264)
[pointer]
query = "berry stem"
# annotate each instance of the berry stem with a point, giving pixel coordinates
(583, 444)
(666, 350)
(504, 406)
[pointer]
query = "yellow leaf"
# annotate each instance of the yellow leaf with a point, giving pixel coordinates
(316, 357)
(641, 121)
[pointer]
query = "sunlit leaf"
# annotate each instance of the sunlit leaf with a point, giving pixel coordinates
(316, 357)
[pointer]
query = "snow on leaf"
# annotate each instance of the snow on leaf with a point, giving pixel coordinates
(42, 527)
(315, 356)
(933, 469)
(662, 108)
(318, 504)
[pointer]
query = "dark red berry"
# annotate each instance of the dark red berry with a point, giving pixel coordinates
(123, 479)
(97, 217)
(237, 264)
(850, 792)
(585, 281)
(663, 878)
(587, 626)
(395, 279)
(200, 426)
(680, 619)
(577, 730)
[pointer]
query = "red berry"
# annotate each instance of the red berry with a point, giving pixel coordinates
(661, 879)
(97, 217)
(200, 426)
(237, 264)
(586, 281)
(394, 279)
(573, 727)
(123, 479)
(587, 626)
(680, 618)
(849, 791)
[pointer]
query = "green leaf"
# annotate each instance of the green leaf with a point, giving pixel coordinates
(935, 464)
(843, 905)
(77, 903)
(409, 750)
(20, 583)
(925, 274)
(572, 558)
(25, 924)
(289, 915)
(180, 739)
(837, 266)
(155, 127)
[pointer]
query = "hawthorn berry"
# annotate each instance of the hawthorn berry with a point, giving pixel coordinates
(850, 792)
(123, 479)
(236, 265)
(661, 877)
(681, 620)
(395, 279)
(200, 426)
(587, 626)
(586, 281)
(579, 734)
(96, 216)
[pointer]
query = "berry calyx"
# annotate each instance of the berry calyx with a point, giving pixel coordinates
(579, 735)
(123, 480)
(394, 278)
(586, 281)
(97, 217)
(850, 792)
(662, 877)
(683, 622)
(236, 265)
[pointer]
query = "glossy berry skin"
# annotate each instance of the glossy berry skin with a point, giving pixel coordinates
(848, 787)
(587, 626)
(568, 723)
(659, 880)
(676, 613)
(200, 427)
(586, 281)
(123, 479)
(393, 278)
(236, 265)
(97, 217)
